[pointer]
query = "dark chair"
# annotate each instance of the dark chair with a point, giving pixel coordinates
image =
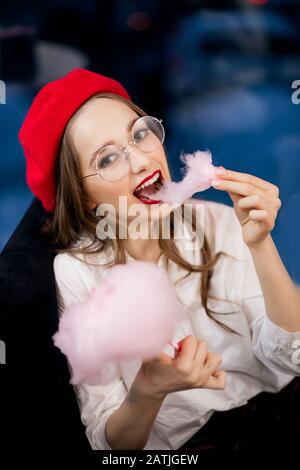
(39, 407)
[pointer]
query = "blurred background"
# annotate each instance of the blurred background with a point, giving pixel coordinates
(218, 73)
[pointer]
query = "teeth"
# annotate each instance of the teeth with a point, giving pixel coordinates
(151, 181)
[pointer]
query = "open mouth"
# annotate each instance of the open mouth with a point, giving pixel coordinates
(149, 186)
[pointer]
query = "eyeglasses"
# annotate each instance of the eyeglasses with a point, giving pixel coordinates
(112, 161)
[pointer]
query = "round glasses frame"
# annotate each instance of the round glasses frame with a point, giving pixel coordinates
(124, 149)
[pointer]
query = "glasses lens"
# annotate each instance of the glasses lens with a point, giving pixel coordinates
(112, 163)
(148, 133)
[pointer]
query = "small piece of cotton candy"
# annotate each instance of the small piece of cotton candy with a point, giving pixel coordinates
(200, 173)
(131, 314)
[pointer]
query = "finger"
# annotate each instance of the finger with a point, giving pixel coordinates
(234, 197)
(188, 350)
(258, 215)
(243, 189)
(263, 217)
(213, 361)
(216, 381)
(246, 178)
(201, 353)
(254, 201)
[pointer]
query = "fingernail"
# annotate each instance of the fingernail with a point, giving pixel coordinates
(220, 171)
(216, 183)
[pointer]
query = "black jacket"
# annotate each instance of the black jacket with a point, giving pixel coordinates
(38, 405)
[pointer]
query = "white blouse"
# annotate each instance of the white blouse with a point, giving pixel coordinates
(260, 359)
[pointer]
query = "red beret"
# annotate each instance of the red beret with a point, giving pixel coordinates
(41, 132)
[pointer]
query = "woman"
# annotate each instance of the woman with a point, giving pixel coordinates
(87, 144)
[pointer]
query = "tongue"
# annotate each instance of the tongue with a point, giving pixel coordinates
(151, 189)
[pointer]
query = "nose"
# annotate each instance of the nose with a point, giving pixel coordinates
(138, 160)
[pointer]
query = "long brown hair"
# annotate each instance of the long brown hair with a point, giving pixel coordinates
(73, 217)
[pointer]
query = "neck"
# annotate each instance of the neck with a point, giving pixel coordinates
(143, 249)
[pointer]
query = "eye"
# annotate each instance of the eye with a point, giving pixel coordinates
(141, 134)
(107, 160)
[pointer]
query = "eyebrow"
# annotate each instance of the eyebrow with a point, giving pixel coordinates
(111, 142)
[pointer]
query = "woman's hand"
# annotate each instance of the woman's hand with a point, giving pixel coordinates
(192, 367)
(256, 202)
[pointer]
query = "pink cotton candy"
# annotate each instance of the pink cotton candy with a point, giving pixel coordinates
(131, 314)
(199, 174)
